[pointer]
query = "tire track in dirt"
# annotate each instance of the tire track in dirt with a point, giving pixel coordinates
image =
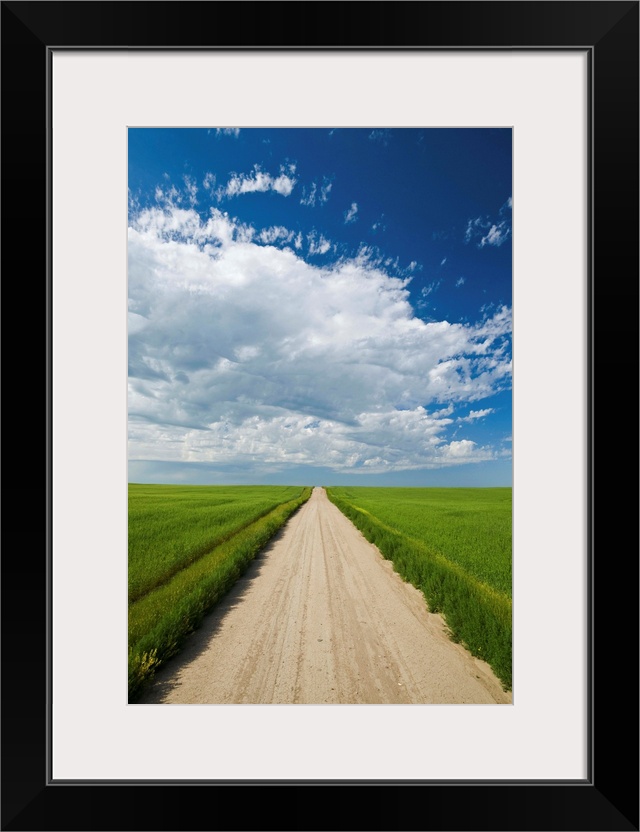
(321, 617)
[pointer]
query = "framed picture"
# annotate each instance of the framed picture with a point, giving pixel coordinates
(564, 78)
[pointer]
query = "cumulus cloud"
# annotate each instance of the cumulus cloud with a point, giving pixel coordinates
(350, 215)
(244, 353)
(259, 181)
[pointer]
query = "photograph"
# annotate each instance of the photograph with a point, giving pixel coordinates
(320, 415)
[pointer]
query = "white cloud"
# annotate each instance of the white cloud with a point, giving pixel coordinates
(325, 190)
(350, 215)
(496, 235)
(133, 201)
(427, 290)
(487, 232)
(275, 234)
(169, 197)
(475, 228)
(443, 261)
(259, 181)
(244, 353)
(318, 244)
(463, 448)
(460, 281)
(476, 414)
(316, 193)
(191, 190)
(379, 225)
(209, 181)
(507, 207)
(309, 196)
(228, 131)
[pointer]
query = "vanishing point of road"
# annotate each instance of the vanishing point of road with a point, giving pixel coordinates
(320, 617)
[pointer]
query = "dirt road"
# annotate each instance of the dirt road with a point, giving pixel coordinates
(321, 617)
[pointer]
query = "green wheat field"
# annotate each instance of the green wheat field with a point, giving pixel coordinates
(454, 544)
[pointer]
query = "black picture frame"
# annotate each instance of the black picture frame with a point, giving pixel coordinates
(608, 798)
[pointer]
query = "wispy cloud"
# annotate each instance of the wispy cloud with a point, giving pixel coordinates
(351, 214)
(259, 181)
(191, 189)
(473, 415)
(427, 290)
(443, 261)
(430, 288)
(316, 194)
(460, 281)
(169, 196)
(309, 195)
(379, 225)
(228, 131)
(209, 181)
(380, 136)
(274, 234)
(496, 236)
(487, 232)
(317, 244)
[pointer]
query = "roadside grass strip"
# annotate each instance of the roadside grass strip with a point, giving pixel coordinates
(171, 526)
(477, 614)
(160, 621)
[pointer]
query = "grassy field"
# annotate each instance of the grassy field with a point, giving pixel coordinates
(454, 544)
(187, 546)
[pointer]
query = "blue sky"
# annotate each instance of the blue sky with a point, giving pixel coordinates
(320, 306)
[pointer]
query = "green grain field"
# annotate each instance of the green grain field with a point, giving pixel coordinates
(187, 546)
(454, 544)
